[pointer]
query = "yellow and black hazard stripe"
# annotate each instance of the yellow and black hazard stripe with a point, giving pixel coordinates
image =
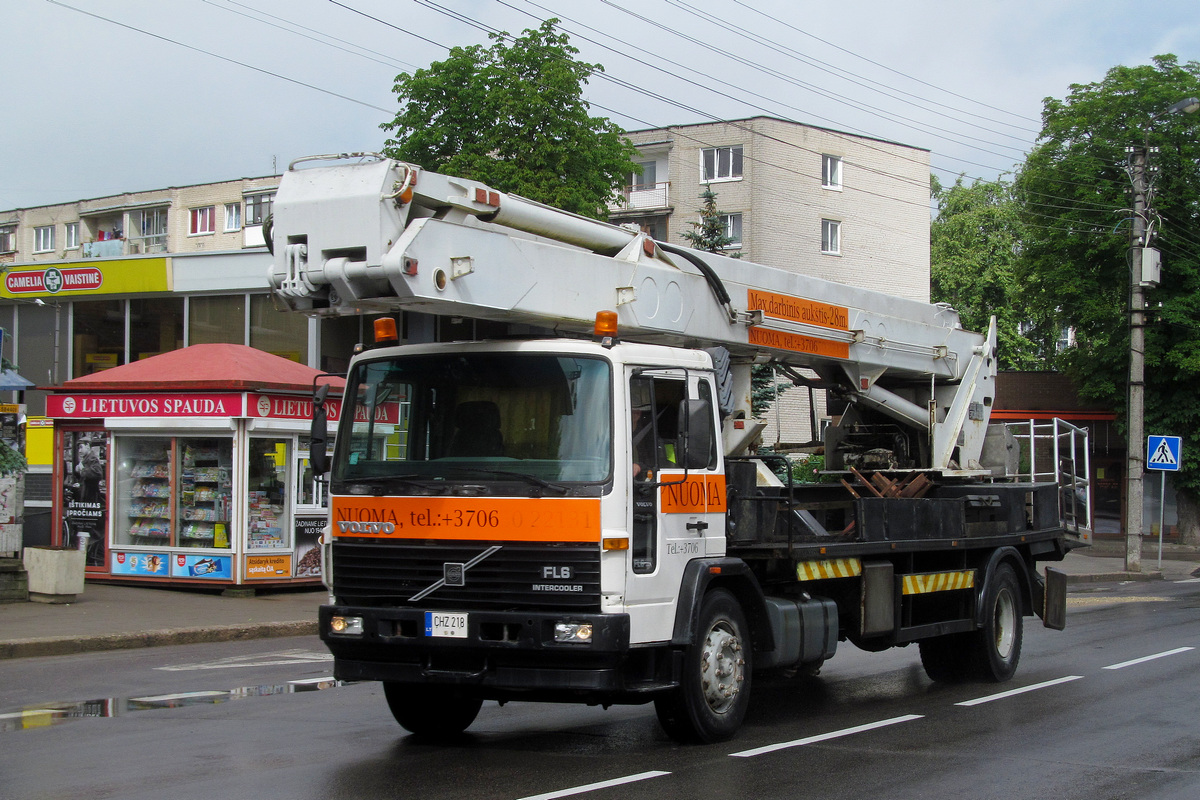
(939, 581)
(835, 568)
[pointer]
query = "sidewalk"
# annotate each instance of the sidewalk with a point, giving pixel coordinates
(108, 617)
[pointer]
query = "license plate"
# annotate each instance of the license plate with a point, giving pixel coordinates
(452, 626)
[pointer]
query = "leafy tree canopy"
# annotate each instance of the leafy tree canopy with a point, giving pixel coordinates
(1072, 191)
(513, 116)
(974, 246)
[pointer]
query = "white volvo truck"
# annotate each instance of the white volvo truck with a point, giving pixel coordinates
(581, 515)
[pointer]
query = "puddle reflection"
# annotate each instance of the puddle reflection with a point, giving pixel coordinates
(45, 714)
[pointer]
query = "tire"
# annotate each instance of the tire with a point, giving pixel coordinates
(714, 690)
(431, 711)
(947, 659)
(996, 649)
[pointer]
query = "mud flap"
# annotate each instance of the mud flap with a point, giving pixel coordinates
(1054, 601)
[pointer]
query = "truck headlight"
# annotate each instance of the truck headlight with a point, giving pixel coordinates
(578, 632)
(346, 626)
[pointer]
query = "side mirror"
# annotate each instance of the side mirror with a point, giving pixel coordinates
(319, 433)
(695, 435)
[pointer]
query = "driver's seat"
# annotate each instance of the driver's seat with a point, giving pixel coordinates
(476, 430)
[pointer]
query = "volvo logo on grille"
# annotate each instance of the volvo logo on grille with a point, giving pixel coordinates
(454, 574)
(366, 527)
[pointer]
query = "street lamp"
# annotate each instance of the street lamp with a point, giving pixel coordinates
(1142, 261)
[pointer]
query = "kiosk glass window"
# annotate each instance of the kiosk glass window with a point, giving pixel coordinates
(311, 490)
(173, 492)
(267, 488)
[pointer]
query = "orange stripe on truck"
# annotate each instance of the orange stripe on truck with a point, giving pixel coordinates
(512, 519)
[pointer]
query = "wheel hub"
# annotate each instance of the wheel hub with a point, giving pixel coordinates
(722, 668)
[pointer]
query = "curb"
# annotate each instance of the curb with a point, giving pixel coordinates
(1106, 577)
(71, 645)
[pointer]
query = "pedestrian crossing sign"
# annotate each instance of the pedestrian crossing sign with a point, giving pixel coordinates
(1164, 452)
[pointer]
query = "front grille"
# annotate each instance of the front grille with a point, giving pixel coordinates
(515, 577)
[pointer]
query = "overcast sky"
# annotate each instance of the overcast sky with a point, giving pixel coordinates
(109, 96)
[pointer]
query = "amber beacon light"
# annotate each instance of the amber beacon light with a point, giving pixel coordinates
(385, 331)
(605, 329)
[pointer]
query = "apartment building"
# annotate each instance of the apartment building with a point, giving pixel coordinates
(101, 282)
(96, 283)
(815, 201)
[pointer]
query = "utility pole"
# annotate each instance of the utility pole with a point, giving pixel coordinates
(1141, 234)
(1134, 466)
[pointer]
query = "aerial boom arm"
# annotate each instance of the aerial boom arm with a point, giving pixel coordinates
(381, 236)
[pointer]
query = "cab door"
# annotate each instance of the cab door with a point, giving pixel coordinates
(677, 510)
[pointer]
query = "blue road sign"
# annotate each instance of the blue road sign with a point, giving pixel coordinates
(1164, 452)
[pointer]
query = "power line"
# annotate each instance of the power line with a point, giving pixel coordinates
(218, 56)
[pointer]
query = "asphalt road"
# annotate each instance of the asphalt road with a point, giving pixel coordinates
(1106, 709)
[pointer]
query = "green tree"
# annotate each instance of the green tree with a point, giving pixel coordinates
(513, 116)
(974, 246)
(1075, 267)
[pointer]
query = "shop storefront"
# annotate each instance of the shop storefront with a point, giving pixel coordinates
(190, 467)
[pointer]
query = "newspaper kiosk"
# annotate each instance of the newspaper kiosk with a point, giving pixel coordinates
(191, 467)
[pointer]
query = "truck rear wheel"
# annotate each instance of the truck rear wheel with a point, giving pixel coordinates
(997, 645)
(714, 692)
(946, 659)
(431, 711)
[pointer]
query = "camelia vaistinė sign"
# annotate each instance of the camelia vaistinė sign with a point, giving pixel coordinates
(53, 280)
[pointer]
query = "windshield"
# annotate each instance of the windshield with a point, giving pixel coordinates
(540, 420)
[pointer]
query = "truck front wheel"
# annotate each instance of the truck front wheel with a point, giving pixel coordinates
(714, 690)
(431, 711)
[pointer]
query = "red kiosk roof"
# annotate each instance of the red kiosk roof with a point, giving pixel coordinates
(203, 367)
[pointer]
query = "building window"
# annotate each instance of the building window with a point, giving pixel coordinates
(831, 172)
(202, 221)
(43, 239)
(284, 335)
(149, 233)
(233, 217)
(831, 236)
(721, 163)
(733, 229)
(8, 240)
(258, 208)
(217, 319)
(72, 236)
(648, 179)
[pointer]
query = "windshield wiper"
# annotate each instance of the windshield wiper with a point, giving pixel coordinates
(380, 482)
(521, 476)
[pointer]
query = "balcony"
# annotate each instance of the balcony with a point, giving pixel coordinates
(642, 197)
(107, 248)
(146, 245)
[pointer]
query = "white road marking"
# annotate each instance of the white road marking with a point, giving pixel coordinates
(824, 737)
(1144, 659)
(161, 698)
(591, 787)
(1189, 580)
(1010, 693)
(283, 658)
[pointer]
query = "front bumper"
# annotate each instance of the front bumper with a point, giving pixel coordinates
(504, 655)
